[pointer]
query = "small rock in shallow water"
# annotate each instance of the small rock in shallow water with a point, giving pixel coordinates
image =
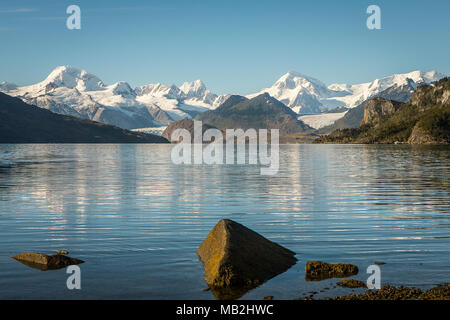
(318, 270)
(45, 262)
(62, 252)
(268, 298)
(379, 263)
(351, 283)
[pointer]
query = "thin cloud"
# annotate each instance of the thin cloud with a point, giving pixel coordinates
(48, 18)
(133, 8)
(19, 10)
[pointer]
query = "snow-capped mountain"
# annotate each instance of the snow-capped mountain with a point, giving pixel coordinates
(196, 92)
(361, 92)
(6, 86)
(306, 95)
(76, 92)
(351, 117)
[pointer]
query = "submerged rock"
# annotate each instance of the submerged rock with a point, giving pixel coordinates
(237, 259)
(318, 270)
(352, 283)
(46, 262)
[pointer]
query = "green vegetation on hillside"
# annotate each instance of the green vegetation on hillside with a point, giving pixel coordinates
(425, 119)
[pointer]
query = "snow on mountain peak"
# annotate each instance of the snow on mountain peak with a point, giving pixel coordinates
(76, 92)
(299, 92)
(193, 88)
(433, 75)
(6, 86)
(364, 91)
(196, 91)
(159, 90)
(69, 77)
(300, 79)
(122, 88)
(307, 95)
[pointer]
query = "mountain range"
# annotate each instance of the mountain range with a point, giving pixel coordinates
(75, 92)
(353, 117)
(24, 123)
(306, 95)
(424, 119)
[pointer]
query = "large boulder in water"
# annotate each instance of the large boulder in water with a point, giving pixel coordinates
(46, 262)
(237, 257)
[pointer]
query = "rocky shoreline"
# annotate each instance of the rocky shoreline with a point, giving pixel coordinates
(388, 293)
(392, 293)
(236, 259)
(440, 292)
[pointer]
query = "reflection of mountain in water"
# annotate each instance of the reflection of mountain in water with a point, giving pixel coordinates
(128, 206)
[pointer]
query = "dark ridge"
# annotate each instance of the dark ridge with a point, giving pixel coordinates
(24, 123)
(261, 112)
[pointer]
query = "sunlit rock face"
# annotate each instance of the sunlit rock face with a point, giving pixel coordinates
(237, 259)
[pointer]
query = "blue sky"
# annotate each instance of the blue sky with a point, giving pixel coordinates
(233, 46)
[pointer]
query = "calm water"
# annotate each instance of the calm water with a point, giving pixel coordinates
(137, 219)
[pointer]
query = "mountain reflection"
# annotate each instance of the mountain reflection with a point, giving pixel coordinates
(131, 203)
(82, 178)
